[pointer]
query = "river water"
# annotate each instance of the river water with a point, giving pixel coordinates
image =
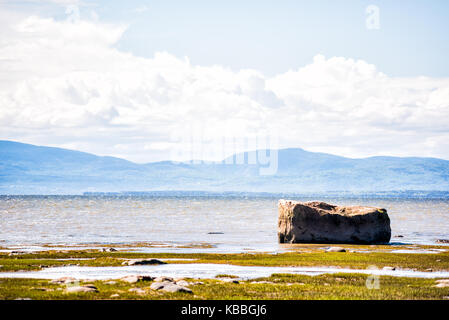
(183, 224)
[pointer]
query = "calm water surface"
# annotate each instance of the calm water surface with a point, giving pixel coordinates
(239, 224)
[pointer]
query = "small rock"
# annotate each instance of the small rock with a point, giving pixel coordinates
(182, 283)
(157, 285)
(429, 270)
(22, 299)
(108, 250)
(141, 262)
(162, 279)
(79, 289)
(64, 280)
(336, 249)
(171, 287)
(443, 283)
(389, 268)
(135, 278)
(399, 236)
(115, 295)
(110, 282)
(168, 286)
(137, 290)
(442, 241)
(230, 281)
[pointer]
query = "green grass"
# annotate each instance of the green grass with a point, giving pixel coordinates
(311, 257)
(280, 286)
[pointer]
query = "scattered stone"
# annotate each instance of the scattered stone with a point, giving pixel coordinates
(22, 299)
(162, 279)
(157, 285)
(443, 283)
(111, 282)
(335, 249)
(319, 222)
(135, 278)
(115, 295)
(230, 280)
(182, 283)
(169, 286)
(429, 270)
(137, 290)
(438, 260)
(141, 262)
(442, 241)
(64, 280)
(78, 289)
(399, 236)
(108, 250)
(389, 268)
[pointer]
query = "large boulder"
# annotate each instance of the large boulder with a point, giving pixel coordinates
(319, 222)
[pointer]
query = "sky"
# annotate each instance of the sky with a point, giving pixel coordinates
(170, 80)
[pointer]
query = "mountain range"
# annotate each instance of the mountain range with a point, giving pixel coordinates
(30, 169)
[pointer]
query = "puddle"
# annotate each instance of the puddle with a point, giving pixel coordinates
(202, 270)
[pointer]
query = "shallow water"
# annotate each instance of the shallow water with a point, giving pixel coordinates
(247, 224)
(203, 271)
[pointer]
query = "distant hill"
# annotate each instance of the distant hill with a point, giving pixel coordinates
(30, 169)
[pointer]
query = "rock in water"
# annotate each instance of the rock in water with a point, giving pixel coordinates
(319, 222)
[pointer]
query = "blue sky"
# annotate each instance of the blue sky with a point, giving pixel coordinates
(118, 78)
(275, 36)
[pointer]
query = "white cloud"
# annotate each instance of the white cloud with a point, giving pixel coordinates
(65, 84)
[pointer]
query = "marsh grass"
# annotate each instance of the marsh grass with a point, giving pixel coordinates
(278, 286)
(317, 257)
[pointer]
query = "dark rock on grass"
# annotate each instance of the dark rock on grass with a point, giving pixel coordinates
(319, 222)
(108, 250)
(141, 262)
(442, 241)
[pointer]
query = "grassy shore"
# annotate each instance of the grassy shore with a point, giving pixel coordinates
(278, 286)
